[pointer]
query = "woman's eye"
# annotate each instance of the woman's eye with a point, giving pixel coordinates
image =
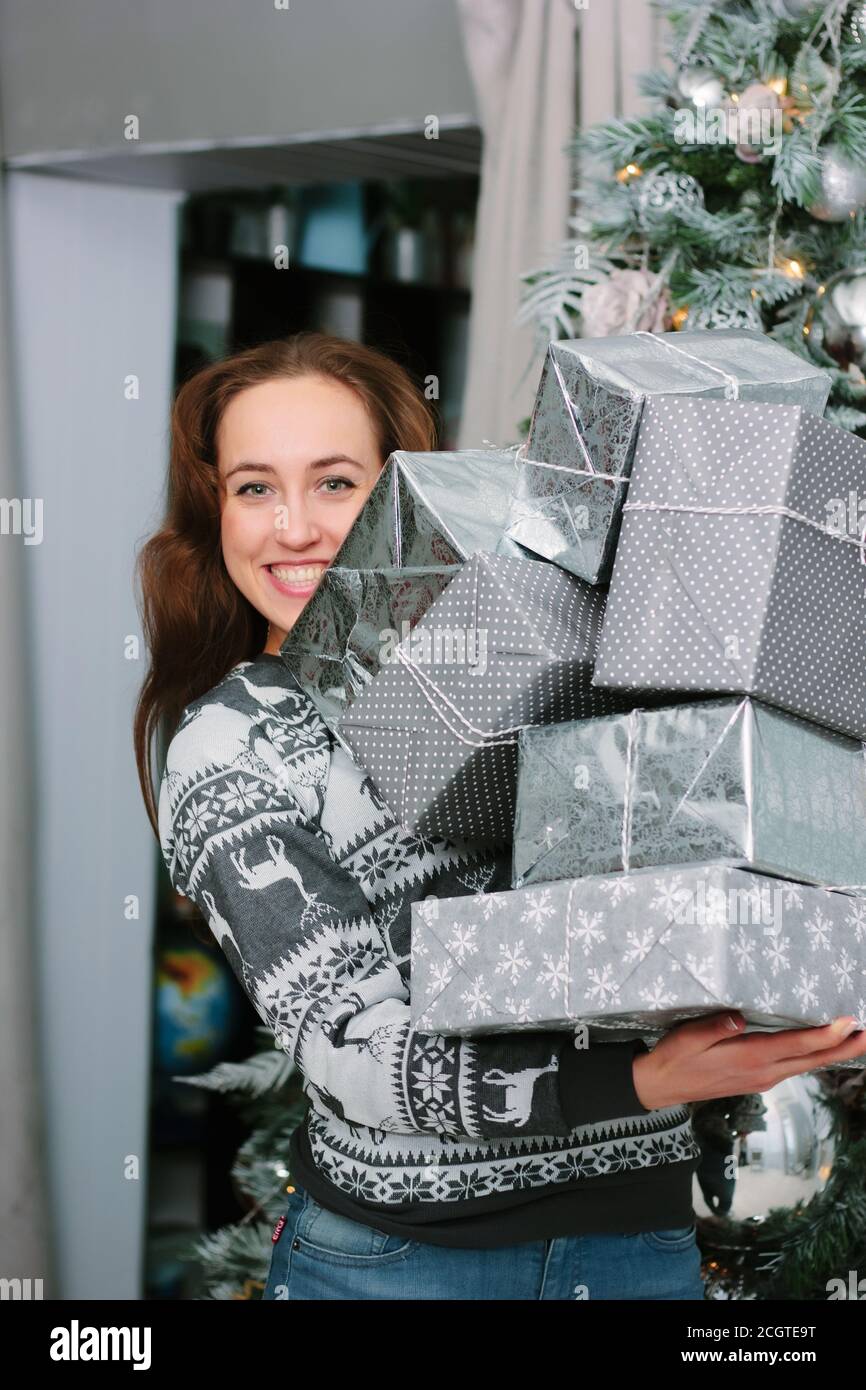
(242, 490)
(342, 482)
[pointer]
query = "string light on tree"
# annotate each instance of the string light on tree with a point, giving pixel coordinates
(628, 172)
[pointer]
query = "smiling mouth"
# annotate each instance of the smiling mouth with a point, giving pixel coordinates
(297, 574)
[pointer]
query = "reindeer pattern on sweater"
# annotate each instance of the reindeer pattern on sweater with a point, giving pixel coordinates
(307, 881)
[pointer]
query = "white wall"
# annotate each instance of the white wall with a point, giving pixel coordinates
(93, 300)
(24, 1251)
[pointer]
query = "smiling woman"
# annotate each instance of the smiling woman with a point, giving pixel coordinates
(297, 459)
(409, 1176)
(273, 453)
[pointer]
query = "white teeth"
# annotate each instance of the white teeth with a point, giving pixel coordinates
(298, 574)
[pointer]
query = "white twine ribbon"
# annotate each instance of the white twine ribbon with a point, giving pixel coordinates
(485, 739)
(732, 386)
(764, 510)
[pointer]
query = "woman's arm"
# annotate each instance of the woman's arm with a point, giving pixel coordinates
(304, 944)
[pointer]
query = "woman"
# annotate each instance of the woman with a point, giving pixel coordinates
(517, 1165)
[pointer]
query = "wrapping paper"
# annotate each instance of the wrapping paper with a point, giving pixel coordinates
(510, 642)
(587, 415)
(634, 954)
(335, 648)
(729, 779)
(434, 509)
(733, 571)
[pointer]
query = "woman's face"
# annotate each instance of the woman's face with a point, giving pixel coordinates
(297, 459)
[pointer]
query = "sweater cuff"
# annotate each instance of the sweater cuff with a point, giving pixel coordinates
(597, 1082)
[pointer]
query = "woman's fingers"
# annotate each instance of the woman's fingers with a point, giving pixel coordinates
(854, 1046)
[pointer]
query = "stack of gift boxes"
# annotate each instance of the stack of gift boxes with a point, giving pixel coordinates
(631, 655)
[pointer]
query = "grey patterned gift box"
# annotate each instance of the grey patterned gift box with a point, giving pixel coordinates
(730, 779)
(638, 951)
(335, 648)
(510, 642)
(587, 414)
(736, 569)
(433, 508)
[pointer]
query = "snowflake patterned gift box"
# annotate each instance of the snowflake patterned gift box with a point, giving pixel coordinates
(740, 564)
(586, 419)
(642, 950)
(727, 779)
(335, 648)
(433, 508)
(509, 642)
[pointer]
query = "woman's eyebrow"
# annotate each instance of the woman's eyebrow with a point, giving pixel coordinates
(269, 468)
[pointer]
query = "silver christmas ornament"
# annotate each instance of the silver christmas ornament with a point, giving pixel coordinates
(772, 1154)
(663, 192)
(838, 318)
(843, 187)
(700, 86)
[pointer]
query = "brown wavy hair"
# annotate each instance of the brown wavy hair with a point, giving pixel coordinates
(196, 622)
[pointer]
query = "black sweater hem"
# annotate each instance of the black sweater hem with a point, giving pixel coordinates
(655, 1199)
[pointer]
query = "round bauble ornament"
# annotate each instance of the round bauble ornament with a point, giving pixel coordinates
(843, 187)
(837, 319)
(700, 86)
(763, 1150)
(665, 192)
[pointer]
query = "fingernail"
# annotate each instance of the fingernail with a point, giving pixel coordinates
(732, 1023)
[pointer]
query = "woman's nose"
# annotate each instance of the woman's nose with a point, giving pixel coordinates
(296, 526)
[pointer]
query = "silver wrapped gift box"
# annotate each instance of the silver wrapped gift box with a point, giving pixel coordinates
(728, 779)
(434, 508)
(337, 644)
(740, 564)
(510, 642)
(587, 415)
(637, 953)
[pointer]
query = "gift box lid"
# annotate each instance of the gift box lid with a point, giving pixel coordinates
(703, 360)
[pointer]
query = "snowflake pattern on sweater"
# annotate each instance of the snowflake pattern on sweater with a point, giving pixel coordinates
(307, 881)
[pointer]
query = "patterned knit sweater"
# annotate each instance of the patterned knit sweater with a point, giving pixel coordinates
(307, 882)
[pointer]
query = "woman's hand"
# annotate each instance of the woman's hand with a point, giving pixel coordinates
(703, 1058)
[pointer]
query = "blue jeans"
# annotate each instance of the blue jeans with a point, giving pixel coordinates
(320, 1255)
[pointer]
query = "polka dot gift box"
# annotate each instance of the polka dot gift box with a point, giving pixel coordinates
(731, 779)
(510, 642)
(741, 563)
(587, 415)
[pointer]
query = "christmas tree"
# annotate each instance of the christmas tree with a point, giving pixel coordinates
(738, 202)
